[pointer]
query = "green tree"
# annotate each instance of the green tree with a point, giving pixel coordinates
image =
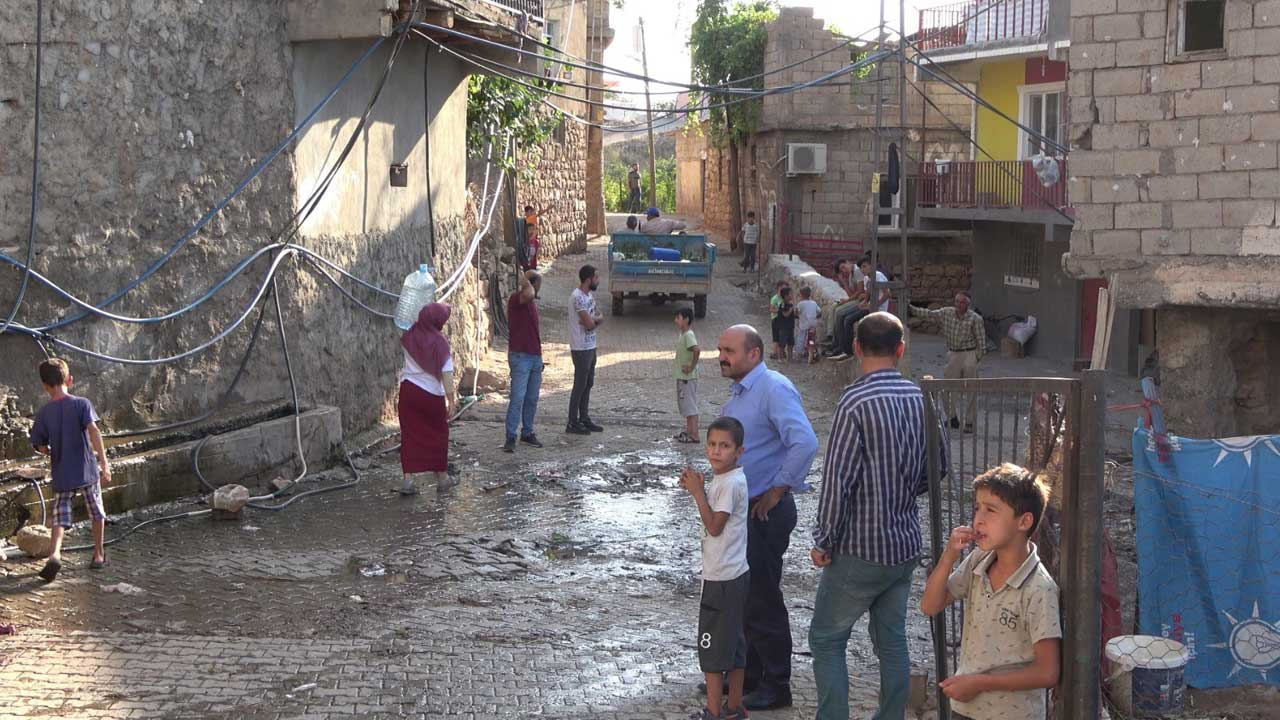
(498, 109)
(727, 44)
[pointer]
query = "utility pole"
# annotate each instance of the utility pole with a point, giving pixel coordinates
(904, 296)
(653, 173)
(873, 292)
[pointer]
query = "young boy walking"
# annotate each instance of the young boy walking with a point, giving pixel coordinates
(1009, 646)
(687, 356)
(722, 506)
(750, 236)
(66, 429)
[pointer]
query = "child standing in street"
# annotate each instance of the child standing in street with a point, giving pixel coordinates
(66, 429)
(786, 323)
(687, 356)
(750, 236)
(775, 305)
(531, 223)
(1010, 643)
(807, 314)
(722, 507)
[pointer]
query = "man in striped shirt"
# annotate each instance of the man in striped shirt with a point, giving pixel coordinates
(966, 338)
(867, 540)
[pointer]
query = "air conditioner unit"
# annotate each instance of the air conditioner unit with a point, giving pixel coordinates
(806, 158)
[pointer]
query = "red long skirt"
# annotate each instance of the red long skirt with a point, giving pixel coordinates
(424, 430)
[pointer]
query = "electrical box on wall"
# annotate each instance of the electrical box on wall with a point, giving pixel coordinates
(806, 158)
(400, 175)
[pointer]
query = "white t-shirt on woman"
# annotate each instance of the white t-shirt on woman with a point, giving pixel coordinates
(423, 379)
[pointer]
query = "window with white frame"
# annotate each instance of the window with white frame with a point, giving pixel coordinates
(1042, 111)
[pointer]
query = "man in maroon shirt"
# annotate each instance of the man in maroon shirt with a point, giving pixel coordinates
(524, 356)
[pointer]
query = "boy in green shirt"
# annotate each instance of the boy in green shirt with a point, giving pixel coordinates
(775, 306)
(687, 355)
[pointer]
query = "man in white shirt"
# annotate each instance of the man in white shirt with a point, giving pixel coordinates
(750, 235)
(584, 318)
(655, 225)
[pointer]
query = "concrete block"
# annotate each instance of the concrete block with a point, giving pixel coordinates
(1264, 184)
(1133, 162)
(1153, 25)
(1180, 76)
(1219, 185)
(1260, 241)
(1265, 126)
(1138, 108)
(1083, 8)
(1255, 99)
(1244, 213)
(1174, 187)
(1080, 83)
(1266, 69)
(1197, 214)
(1081, 241)
(1265, 14)
(1173, 133)
(1166, 242)
(1206, 158)
(1200, 102)
(1139, 215)
(1251, 156)
(1246, 43)
(1092, 163)
(1095, 217)
(1127, 26)
(1216, 241)
(338, 19)
(1117, 242)
(1225, 129)
(1126, 81)
(1224, 73)
(1140, 5)
(1238, 16)
(1106, 110)
(1139, 53)
(1082, 29)
(1111, 137)
(1114, 190)
(1093, 55)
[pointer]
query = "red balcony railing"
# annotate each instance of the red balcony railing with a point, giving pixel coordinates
(981, 21)
(990, 184)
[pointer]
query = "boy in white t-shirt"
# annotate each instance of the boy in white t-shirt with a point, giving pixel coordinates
(808, 313)
(750, 235)
(722, 506)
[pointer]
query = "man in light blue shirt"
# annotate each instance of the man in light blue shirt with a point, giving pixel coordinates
(779, 449)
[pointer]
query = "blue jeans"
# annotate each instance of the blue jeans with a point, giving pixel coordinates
(849, 588)
(526, 383)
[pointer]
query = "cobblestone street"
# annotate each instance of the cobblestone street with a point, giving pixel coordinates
(557, 583)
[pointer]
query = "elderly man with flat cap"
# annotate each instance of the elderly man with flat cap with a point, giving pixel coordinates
(780, 446)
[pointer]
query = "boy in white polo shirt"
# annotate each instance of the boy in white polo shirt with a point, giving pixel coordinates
(1010, 643)
(722, 506)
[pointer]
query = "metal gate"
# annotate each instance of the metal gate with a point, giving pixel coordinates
(1052, 425)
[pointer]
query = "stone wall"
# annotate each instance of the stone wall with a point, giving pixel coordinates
(1175, 158)
(150, 118)
(558, 183)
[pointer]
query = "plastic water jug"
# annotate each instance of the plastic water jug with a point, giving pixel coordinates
(418, 291)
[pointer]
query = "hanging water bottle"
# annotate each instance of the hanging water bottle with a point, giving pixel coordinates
(418, 291)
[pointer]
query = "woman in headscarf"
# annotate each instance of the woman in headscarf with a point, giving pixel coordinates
(427, 398)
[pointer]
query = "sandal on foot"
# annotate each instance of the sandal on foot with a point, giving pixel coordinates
(50, 570)
(98, 564)
(686, 438)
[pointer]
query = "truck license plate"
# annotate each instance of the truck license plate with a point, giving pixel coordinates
(661, 271)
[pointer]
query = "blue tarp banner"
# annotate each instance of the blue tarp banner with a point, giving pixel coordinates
(1208, 536)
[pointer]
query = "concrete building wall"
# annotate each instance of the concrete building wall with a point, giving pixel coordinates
(1175, 180)
(151, 118)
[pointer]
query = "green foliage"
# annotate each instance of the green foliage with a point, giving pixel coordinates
(615, 184)
(728, 43)
(499, 108)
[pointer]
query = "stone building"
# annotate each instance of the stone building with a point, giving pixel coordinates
(1175, 120)
(153, 112)
(824, 211)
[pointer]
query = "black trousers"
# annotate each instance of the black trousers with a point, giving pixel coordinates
(844, 331)
(635, 203)
(748, 256)
(768, 624)
(584, 376)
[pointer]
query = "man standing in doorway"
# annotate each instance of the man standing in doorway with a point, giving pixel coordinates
(867, 540)
(584, 318)
(524, 357)
(634, 202)
(780, 447)
(966, 338)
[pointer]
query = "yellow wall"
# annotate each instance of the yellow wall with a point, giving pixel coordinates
(998, 84)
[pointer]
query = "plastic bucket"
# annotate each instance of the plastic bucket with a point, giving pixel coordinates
(1148, 672)
(664, 254)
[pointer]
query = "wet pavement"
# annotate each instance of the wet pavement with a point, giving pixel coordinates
(556, 583)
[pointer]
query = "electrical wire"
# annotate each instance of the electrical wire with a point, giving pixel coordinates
(35, 175)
